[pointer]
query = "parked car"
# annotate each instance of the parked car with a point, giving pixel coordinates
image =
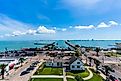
(24, 72)
(113, 78)
(30, 68)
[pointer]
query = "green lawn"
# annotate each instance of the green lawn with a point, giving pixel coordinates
(47, 79)
(82, 74)
(70, 79)
(113, 54)
(96, 77)
(49, 71)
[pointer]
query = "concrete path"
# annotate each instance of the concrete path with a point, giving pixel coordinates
(102, 75)
(70, 77)
(90, 74)
(64, 75)
(47, 76)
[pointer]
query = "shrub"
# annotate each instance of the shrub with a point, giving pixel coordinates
(78, 78)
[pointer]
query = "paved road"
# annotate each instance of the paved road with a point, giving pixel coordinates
(116, 74)
(15, 76)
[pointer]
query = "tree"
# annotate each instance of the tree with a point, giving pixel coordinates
(78, 78)
(77, 51)
(90, 60)
(21, 60)
(97, 51)
(2, 70)
(86, 57)
(97, 63)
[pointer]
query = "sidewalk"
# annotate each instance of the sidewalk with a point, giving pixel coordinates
(15, 76)
(64, 75)
(46, 76)
(90, 74)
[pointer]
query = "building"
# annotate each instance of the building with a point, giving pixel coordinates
(70, 63)
(54, 62)
(76, 64)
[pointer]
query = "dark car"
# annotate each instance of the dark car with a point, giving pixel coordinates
(24, 72)
(30, 68)
(113, 78)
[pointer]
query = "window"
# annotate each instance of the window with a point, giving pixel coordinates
(57, 63)
(78, 66)
(72, 66)
(78, 62)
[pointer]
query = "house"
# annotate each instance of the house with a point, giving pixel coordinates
(70, 63)
(54, 62)
(76, 64)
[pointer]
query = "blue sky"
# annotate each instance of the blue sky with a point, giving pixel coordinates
(60, 19)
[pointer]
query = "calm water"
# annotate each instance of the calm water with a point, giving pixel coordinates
(11, 45)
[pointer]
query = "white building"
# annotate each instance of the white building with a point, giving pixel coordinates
(76, 64)
(71, 64)
(54, 62)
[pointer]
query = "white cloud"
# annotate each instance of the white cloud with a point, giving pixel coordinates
(102, 25)
(10, 25)
(113, 23)
(17, 33)
(54, 28)
(85, 27)
(64, 29)
(39, 30)
(70, 27)
(43, 29)
(31, 32)
(110, 24)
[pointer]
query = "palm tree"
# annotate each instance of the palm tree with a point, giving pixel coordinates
(77, 51)
(97, 51)
(2, 70)
(21, 60)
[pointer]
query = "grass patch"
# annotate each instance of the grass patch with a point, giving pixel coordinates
(82, 74)
(49, 71)
(111, 54)
(70, 79)
(47, 79)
